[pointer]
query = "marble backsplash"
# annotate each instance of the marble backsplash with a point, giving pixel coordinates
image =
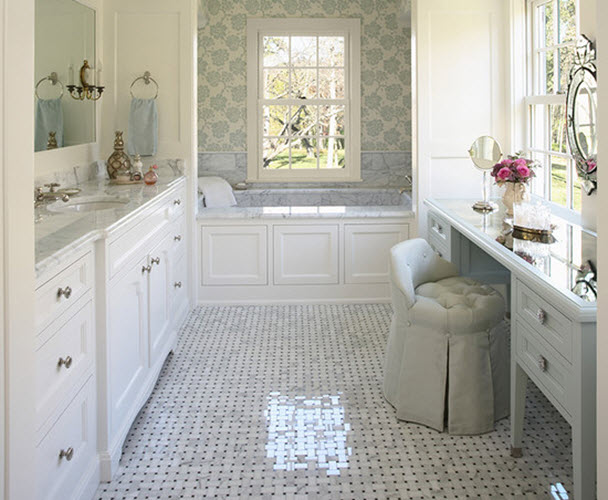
(379, 169)
(85, 173)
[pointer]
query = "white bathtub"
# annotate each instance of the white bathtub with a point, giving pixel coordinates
(301, 246)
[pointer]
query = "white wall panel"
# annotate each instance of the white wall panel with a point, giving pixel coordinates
(305, 255)
(461, 92)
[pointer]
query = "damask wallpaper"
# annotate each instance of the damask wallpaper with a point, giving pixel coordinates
(385, 71)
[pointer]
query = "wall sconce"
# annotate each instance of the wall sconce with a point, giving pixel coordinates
(85, 90)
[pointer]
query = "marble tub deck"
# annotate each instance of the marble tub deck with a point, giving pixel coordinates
(314, 203)
(60, 234)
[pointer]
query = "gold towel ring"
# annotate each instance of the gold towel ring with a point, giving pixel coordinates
(53, 78)
(147, 78)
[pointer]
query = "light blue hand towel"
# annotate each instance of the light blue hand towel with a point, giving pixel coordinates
(49, 118)
(142, 138)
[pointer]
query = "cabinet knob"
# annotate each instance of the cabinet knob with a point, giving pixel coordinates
(541, 316)
(178, 284)
(542, 363)
(67, 454)
(66, 292)
(178, 237)
(67, 362)
(177, 202)
(146, 269)
(155, 260)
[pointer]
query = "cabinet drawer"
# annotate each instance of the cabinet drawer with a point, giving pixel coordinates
(553, 326)
(178, 237)
(64, 360)
(127, 243)
(177, 203)
(60, 477)
(179, 285)
(60, 292)
(543, 366)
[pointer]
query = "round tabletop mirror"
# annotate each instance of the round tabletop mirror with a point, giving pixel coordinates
(485, 153)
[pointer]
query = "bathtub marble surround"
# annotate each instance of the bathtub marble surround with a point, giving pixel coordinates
(59, 234)
(295, 212)
(314, 203)
(322, 197)
(222, 421)
(379, 169)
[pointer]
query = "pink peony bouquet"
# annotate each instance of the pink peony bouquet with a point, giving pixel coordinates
(514, 169)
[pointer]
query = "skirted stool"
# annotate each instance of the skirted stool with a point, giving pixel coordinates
(447, 356)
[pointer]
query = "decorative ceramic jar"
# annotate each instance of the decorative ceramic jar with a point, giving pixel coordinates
(119, 163)
(515, 192)
(151, 176)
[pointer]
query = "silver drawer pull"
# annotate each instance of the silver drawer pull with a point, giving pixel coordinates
(66, 292)
(178, 284)
(146, 269)
(542, 363)
(177, 238)
(541, 316)
(177, 202)
(67, 362)
(67, 454)
(156, 261)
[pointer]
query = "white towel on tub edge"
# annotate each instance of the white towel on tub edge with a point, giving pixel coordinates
(217, 192)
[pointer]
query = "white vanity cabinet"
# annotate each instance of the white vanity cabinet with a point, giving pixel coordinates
(144, 258)
(65, 459)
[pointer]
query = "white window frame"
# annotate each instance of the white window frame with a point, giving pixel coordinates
(351, 30)
(532, 98)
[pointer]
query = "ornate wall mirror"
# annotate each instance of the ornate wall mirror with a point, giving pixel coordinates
(65, 38)
(582, 114)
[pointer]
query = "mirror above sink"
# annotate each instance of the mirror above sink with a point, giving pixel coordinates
(65, 36)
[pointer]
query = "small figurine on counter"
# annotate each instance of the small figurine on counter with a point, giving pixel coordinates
(151, 176)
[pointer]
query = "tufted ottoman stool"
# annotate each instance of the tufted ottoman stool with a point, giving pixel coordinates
(448, 349)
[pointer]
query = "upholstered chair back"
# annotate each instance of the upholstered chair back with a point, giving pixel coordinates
(413, 262)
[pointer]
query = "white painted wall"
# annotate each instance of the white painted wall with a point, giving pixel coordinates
(17, 243)
(160, 37)
(462, 92)
(602, 227)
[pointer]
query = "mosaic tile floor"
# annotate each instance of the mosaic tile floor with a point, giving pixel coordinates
(286, 402)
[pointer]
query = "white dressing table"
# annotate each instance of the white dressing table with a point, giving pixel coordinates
(553, 331)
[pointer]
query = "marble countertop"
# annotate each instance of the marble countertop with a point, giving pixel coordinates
(59, 234)
(329, 212)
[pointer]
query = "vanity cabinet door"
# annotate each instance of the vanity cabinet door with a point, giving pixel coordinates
(159, 316)
(127, 343)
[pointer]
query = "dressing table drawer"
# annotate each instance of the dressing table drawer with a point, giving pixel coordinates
(439, 235)
(60, 292)
(544, 367)
(551, 325)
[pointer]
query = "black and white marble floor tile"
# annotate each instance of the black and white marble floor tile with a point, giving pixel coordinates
(286, 402)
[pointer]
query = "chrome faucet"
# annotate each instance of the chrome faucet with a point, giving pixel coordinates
(40, 196)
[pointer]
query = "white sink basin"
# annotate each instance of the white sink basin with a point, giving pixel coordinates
(88, 204)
